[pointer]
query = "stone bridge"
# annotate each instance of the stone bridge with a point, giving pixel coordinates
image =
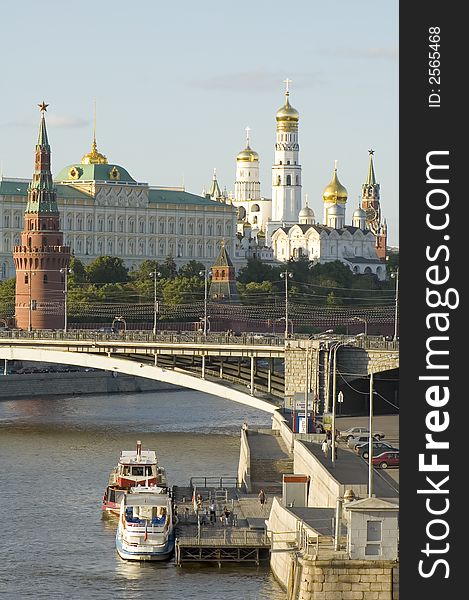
(260, 371)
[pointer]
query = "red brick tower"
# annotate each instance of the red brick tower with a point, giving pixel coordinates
(40, 286)
(372, 207)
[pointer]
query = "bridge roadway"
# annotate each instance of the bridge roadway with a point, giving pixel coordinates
(249, 369)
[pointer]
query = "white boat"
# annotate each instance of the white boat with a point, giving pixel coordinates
(146, 524)
(135, 467)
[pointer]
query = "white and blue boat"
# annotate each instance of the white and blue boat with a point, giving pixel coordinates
(146, 525)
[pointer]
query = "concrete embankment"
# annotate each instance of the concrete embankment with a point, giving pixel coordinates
(77, 382)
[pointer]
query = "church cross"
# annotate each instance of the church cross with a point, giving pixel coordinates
(248, 129)
(287, 83)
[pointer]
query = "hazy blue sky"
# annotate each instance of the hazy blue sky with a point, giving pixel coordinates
(176, 83)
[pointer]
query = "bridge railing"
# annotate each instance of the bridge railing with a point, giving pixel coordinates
(144, 336)
(367, 343)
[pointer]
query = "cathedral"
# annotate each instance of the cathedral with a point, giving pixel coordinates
(281, 228)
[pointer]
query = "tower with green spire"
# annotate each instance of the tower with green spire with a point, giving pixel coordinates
(372, 207)
(41, 258)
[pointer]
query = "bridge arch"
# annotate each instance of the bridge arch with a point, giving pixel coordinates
(131, 367)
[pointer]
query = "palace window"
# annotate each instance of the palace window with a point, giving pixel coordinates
(200, 227)
(120, 225)
(161, 248)
(6, 220)
(288, 179)
(141, 226)
(161, 225)
(171, 226)
(110, 225)
(90, 224)
(17, 220)
(131, 226)
(181, 227)
(191, 226)
(152, 226)
(120, 246)
(100, 224)
(69, 223)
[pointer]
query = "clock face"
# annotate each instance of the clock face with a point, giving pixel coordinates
(370, 214)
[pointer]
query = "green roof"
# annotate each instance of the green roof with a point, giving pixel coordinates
(13, 188)
(156, 196)
(94, 172)
(20, 188)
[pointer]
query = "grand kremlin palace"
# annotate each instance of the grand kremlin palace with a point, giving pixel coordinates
(104, 211)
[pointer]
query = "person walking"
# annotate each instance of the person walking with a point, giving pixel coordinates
(213, 513)
(325, 447)
(262, 498)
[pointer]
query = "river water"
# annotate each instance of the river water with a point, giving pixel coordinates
(55, 458)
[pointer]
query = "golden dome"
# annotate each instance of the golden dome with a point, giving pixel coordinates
(335, 191)
(287, 112)
(248, 155)
(94, 157)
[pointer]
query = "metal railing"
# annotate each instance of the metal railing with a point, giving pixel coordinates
(214, 482)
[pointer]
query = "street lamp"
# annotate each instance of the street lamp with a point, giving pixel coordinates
(334, 394)
(286, 275)
(155, 274)
(206, 273)
(395, 275)
(364, 321)
(30, 300)
(65, 273)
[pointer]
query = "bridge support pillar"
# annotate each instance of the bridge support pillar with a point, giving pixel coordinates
(221, 369)
(252, 375)
(5, 367)
(269, 377)
(203, 366)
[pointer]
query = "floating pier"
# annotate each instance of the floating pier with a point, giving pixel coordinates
(203, 538)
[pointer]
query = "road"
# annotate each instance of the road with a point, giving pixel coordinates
(387, 423)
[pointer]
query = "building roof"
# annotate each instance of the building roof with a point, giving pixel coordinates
(94, 172)
(324, 228)
(162, 196)
(20, 188)
(362, 259)
(223, 259)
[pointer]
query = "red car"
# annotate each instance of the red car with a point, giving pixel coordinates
(386, 459)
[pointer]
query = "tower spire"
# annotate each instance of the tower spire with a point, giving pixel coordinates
(371, 179)
(42, 198)
(94, 157)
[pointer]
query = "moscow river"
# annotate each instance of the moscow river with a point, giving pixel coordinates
(55, 458)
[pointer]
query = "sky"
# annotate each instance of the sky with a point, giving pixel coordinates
(176, 84)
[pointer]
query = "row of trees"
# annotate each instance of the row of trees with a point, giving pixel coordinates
(107, 280)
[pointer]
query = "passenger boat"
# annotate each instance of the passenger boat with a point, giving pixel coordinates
(135, 468)
(146, 525)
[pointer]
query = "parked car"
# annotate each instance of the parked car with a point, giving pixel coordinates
(386, 459)
(378, 447)
(352, 432)
(352, 442)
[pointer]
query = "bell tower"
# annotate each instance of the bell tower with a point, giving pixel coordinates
(41, 254)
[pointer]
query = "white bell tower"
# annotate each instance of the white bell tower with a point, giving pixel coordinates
(286, 171)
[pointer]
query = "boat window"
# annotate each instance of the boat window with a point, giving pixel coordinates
(148, 471)
(126, 470)
(137, 471)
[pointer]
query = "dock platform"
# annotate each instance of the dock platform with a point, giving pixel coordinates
(240, 538)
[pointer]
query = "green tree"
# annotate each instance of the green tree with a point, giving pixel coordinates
(78, 271)
(258, 293)
(168, 268)
(7, 298)
(191, 269)
(257, 271)
(107, 269)
(183, 290)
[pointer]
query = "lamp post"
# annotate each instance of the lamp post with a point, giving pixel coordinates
(364, 321)
(155, 274)
(30, 300)
(395, 275)
(286, 275)
(206, 273)
(370, 442)
(334, 394)
(65, 273)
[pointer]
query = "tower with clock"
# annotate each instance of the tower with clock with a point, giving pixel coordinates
(371, 206)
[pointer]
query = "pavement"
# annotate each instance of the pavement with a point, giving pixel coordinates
(349, 469)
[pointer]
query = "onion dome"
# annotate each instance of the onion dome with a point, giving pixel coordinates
(248, 155)
(94, 157)
(306, 212)
(287, 113)
(359, 213)
(335, 191)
